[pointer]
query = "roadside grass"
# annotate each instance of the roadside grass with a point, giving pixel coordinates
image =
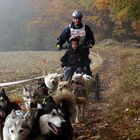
(120, 76)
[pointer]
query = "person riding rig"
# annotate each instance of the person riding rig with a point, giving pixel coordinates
(78, 29)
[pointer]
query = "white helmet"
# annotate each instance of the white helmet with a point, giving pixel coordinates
(77, 14)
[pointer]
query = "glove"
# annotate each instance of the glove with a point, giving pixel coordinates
(58, 47)
(89, 44)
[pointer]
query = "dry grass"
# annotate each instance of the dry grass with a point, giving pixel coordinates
(120, 74)
(21, 65)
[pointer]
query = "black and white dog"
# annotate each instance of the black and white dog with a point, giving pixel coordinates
(6, 106)
(50, 122)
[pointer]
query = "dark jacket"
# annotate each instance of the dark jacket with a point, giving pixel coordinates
(66, 34)
(73, 58)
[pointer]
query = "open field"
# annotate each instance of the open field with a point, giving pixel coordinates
(21, 65)
(16, 66)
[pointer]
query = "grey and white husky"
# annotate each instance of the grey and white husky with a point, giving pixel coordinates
(50, 122)
(17, 126)
(84, 80)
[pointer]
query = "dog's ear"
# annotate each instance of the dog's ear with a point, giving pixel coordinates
(13, 113)
(3, 91)
(24, 89)
(82, 73)
(27, 116)
(74, 73)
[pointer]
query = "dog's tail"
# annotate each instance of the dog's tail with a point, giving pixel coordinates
(67, 99)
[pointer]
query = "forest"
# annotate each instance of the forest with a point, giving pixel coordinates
(35, 25)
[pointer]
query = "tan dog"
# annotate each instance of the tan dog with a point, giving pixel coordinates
(64, 85)
(78, 93)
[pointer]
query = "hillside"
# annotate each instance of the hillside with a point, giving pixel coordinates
(35, 24)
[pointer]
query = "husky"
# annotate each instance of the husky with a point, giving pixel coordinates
(77, 78)
(50, 123)
(6, 105)
(40, 91)
(84, 80)
(75, 92)
(29, 98)
(81, 85)
(41, 88)
(51, 81)
(81, 100)
(66, 95)
(34, 95)
(17, 126)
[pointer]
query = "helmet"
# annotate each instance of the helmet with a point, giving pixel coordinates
(74, 38)
(77, 14)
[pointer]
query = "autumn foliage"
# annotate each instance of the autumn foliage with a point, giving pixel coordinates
(117, 19)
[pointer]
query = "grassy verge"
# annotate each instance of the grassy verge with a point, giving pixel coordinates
(120, 75)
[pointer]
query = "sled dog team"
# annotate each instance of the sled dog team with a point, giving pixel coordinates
(48, 109)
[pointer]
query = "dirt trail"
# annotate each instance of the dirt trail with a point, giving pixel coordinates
(88, 128)
(94, 126)
(107, 119)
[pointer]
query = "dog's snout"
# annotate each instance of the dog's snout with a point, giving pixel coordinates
(63, 124)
